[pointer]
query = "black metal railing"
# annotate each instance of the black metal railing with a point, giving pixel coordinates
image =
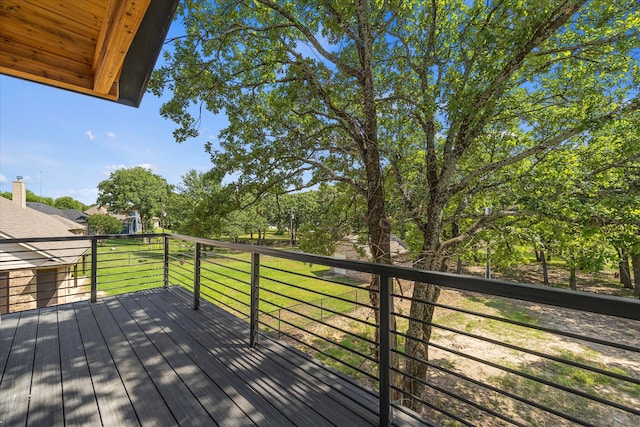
(42, 272)
(494, 353)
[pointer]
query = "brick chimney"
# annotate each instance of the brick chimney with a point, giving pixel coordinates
(19, 194)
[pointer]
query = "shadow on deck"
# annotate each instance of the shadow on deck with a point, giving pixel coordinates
(147, 358)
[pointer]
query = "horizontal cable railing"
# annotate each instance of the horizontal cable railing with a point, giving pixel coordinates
(493, 352)
(41, 272)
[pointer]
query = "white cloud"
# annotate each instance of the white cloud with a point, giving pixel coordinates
(3, 178)
(110, 168)
(87, 196)
(148, 166)
(111, 134)
(90, 135)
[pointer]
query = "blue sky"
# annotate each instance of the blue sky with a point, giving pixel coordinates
(64, 143)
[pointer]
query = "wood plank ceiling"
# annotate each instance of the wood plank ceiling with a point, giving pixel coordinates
(75, 45)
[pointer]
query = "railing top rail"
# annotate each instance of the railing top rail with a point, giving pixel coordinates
(594, 303)
(72, 238)
(584, 301)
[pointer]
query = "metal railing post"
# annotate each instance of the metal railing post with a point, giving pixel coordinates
(166, 262)
(196, 277)
(385, 351)
(255, 298)
(94, 269)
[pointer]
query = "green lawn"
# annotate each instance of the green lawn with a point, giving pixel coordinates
(130, 265)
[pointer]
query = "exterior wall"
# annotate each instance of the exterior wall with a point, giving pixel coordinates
(23, 288)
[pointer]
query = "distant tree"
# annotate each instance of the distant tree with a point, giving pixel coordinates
(33, 197)
(30, 196)
(200, 205)
(67, 202)
(104, 224)
(330, 213)
(136, 189)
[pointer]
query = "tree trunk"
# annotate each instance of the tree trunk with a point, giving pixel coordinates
(572, 278)
(417, 343)
(421, 314)
(545, 271)
(635, 260)
(623, 267)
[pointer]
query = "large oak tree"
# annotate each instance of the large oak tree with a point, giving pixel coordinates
(135, 189)
(454, 99)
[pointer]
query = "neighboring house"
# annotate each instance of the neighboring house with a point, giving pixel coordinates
(74, 218)
(130, 223)
(37, 274)
(350, 247)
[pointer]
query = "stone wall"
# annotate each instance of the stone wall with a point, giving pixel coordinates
(23, 288)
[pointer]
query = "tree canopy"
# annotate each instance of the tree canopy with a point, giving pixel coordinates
(104, 224)
(200, 205)
(67, 202)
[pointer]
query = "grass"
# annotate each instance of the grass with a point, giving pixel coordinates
(289, 290)
(510, 333)
(128, 265)
(563, 374)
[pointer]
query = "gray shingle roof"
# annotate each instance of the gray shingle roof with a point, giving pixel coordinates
(16, 222)
(70, 214)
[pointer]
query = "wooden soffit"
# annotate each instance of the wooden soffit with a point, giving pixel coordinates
(104, 48)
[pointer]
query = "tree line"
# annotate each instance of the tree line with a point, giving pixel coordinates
(64, 202)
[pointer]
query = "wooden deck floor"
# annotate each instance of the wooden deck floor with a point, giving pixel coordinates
(147, 358)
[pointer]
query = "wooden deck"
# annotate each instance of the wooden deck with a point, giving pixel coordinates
(147, 358)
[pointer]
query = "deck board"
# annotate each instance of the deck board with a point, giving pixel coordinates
(45, 403)
(80, 406)
(283, 390)
(259, 408)
(138, 384)
(6, 339)
(189, 359)
(113, 402)
(15, 386)
(298, 396)
(148, 358)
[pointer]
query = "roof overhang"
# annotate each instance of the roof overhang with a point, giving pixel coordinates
(103, 48)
